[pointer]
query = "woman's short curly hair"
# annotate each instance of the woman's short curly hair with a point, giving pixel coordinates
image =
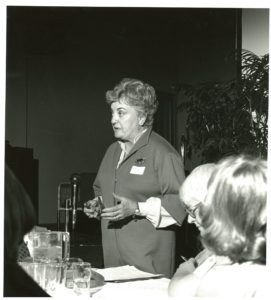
(135, 93)
(233, 215)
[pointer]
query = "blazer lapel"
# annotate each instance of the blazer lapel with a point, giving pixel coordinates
(143, 140)
(116, 156)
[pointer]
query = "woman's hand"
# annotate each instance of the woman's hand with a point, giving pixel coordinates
(93, 208)
(125, 208)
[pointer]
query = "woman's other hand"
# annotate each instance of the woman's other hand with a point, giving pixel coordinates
(125, 208)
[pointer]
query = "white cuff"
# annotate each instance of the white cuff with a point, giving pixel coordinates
(155, 213)
(151, 210)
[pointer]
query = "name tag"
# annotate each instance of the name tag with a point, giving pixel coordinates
(137, 170)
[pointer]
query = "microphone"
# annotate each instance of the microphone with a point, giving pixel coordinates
(75, 181)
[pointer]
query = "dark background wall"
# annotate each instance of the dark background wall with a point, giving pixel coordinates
(62, 60)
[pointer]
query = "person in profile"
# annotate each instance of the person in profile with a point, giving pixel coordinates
(19, 218)
(192, 192)
(232, 223)
(138, 183)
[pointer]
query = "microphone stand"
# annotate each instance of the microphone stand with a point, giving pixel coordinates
(75, 182)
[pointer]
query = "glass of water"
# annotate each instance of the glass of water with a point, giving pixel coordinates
(35, 269)
(68, 277)
(54, 275)
(81, 278)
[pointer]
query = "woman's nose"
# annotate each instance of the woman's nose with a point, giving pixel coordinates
(113, 119)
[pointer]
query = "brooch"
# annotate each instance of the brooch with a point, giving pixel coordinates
(140, 161)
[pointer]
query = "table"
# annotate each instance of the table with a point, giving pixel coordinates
(139, 289)
(132, 284)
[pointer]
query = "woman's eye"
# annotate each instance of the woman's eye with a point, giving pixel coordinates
(121, 113)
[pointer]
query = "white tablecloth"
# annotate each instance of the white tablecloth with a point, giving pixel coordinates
(140, 289)
(132, 284)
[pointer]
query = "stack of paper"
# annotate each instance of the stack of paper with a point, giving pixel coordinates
(125, 273)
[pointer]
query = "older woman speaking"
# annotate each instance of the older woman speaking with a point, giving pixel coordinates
(138, 182)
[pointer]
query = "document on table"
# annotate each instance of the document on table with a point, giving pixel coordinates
(125, 273)
(153, 288)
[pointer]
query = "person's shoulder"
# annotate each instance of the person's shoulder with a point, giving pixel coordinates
(250, 268)
(263, 286)
(160, 143)
(251, 274)
(112, 147)
(257, 271)
(255, 278)
(109, 153)
(184, 287)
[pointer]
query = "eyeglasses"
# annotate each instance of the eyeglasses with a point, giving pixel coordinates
(191, 211)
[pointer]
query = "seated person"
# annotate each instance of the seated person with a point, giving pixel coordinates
(19, 220)
(192, 193)
(232, 221)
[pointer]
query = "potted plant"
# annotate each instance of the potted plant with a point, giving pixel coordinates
(229, 117)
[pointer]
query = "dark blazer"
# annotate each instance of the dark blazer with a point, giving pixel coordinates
(135, 241)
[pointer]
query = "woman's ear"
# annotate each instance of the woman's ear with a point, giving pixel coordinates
(142, 120)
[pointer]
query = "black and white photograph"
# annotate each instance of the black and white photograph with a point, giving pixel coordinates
(135, 149)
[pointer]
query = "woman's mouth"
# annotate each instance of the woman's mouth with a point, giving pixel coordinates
(116, 130)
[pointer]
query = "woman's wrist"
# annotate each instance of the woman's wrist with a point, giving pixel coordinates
(137, 210)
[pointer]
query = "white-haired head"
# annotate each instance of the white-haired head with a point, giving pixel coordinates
(193, 190)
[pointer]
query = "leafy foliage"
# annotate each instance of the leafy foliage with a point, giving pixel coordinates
(229, 117)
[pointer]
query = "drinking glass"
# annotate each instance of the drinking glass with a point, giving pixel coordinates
(35, 269)
(54, 276)
(68, 276)
(81, 278)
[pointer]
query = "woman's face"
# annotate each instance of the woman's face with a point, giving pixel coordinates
(192, 214)
(125, 121)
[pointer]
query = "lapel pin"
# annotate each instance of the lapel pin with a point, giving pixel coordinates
(140, 161)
